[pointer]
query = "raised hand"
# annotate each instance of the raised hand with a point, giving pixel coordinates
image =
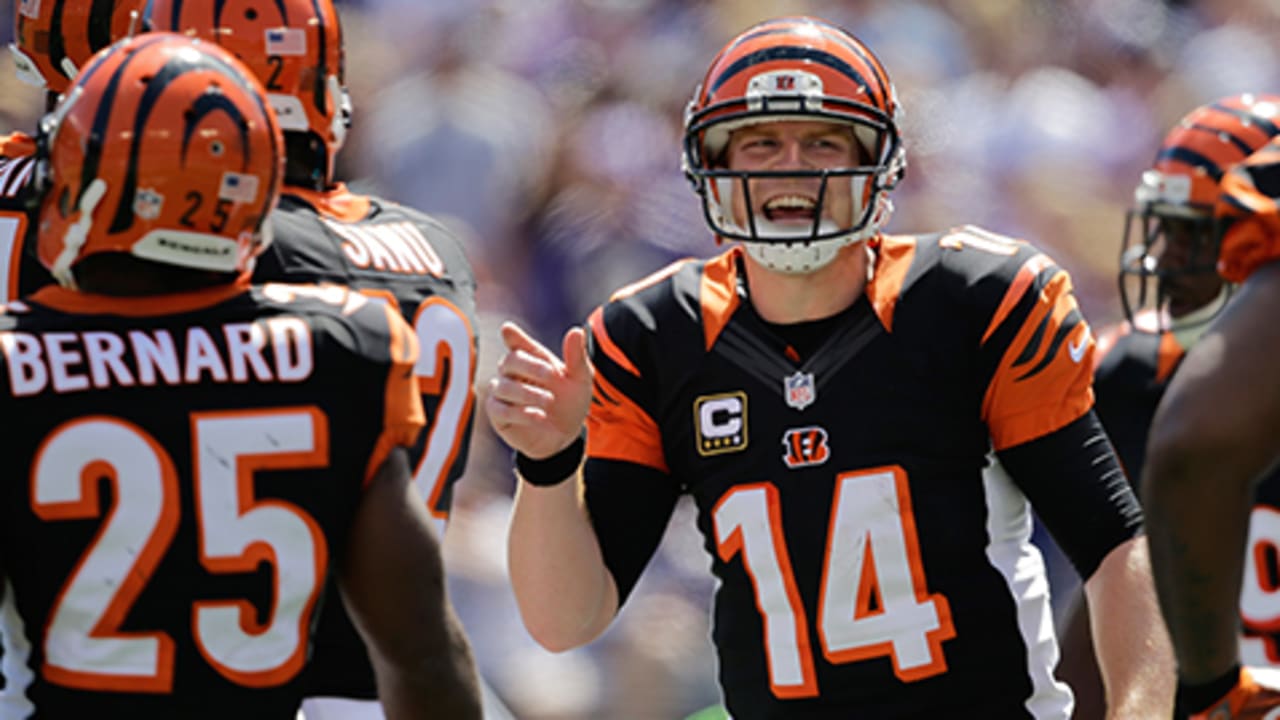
(537, 401)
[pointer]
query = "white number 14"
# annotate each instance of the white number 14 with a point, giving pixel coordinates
(874, 599)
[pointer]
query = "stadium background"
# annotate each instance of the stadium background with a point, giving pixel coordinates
(547, 133)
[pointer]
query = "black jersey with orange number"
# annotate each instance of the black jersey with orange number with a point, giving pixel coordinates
(20, 270)
(1133, 372)
(187, 480)
(409, 260)
(866, 567)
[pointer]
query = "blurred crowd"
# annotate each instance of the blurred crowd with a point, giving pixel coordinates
(547, 133)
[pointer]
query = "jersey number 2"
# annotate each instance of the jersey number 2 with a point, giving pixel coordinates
(874, 600)
(84, 645)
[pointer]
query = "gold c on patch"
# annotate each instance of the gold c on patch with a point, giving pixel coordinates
(720, 422)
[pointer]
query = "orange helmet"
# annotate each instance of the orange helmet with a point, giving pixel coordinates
(164, 148)
(54, 38)
(1249, 213)
(293, 46)
(795, 68)
(1177, 236)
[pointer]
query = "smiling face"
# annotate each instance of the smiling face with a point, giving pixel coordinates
(795, 145)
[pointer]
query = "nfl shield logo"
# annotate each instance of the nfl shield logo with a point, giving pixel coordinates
(147, 203)
(799, 390)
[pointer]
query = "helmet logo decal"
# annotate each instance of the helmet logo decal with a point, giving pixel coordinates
(286, 41)
(784, 90)
(147, 203)
(238, 187)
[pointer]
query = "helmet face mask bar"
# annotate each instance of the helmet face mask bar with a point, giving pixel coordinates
(1169, 252)
(1168, 266)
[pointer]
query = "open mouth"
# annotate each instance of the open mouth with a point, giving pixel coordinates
(791, 208)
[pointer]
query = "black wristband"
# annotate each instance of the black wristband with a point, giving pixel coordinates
(555, 469)
(1192, 699)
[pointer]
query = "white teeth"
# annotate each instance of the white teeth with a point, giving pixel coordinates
(794, 202)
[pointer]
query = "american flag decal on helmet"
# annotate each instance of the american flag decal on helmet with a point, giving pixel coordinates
(286, 41)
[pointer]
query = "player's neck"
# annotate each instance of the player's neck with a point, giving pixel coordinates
(790, 298)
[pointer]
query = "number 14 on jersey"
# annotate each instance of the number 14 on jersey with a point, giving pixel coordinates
(874, 600)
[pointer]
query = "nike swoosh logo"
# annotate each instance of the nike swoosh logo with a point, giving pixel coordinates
(1077, 351)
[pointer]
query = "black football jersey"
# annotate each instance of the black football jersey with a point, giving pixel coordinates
(866, 567)
(188, 469)
(409, 260)
(1133, 372)
(20, 270)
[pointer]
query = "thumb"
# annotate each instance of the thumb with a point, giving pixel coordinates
(577, 362)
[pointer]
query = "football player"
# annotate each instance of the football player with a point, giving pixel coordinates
(1171, 291)
(52, 40)
(1213, 438)
(325, 233)
(201, 454)
(827, 393)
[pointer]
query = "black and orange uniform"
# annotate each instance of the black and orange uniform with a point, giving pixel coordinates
(191, 466)
(866, 568)
(1133, 368)
(21, 272)
(1133, 372)
(402, 257)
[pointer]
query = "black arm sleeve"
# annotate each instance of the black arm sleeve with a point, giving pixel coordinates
(1076, 486)
(630, 506)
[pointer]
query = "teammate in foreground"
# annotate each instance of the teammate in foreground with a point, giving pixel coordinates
(827, 394)
(1171, 292)
(322, 232)
(1213, 438)
(202, 455)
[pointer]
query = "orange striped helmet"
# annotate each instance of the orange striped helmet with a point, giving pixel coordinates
(1249, 212)
(794, 68)
(295, 49)
(54, 38)
(164, 148)
(1167, 266)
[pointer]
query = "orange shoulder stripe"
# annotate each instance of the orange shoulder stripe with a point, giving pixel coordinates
(893, 259)
(718, 293)
(1167, 356)
(606, 343)
(337, 203)
(403, 417)
(618, 429)
(1026, 275)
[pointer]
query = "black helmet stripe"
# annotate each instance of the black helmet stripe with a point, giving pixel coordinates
(786, 52)
(57, 43)
(1192, 158)
(321, 78)
(1244, 147)
(174, 68)
(831, 32)
(1248, 118)
(93, 152)
(99, 32)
